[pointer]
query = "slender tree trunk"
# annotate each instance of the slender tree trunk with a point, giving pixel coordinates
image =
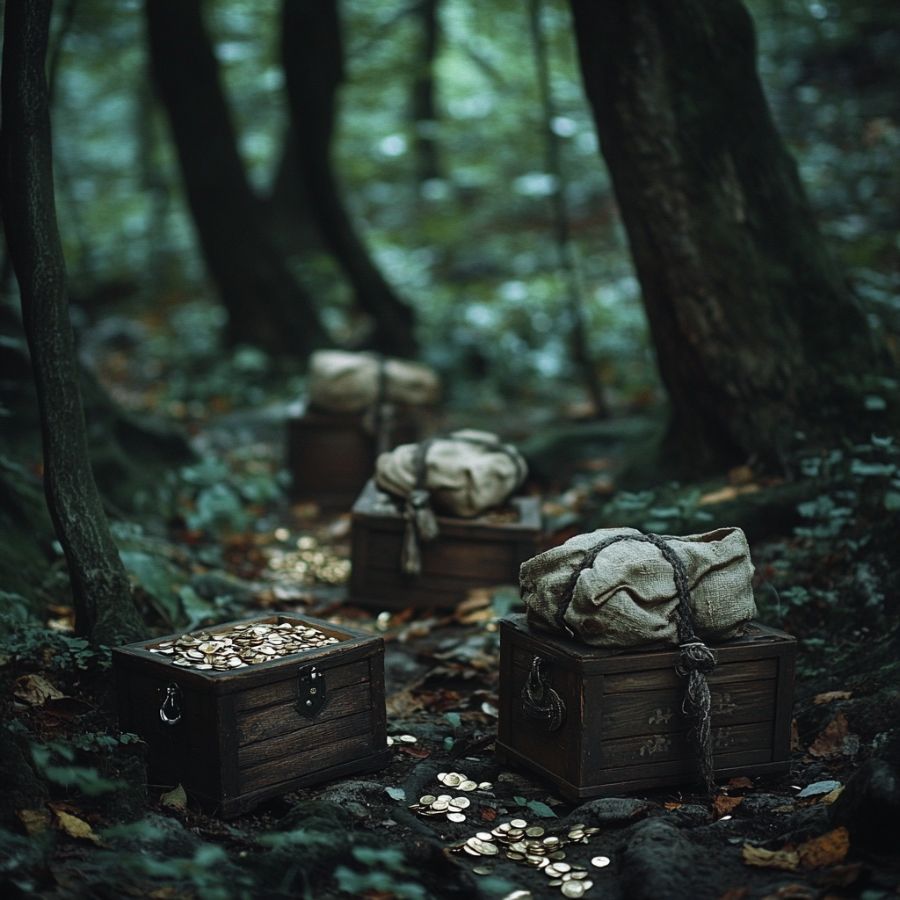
(562, 233)
(103, 603)
(265, 304)
(753, 325)
(424, 106)
(312, 55)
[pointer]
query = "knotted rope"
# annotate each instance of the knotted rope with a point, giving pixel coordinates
(696, 660)
(421, 521)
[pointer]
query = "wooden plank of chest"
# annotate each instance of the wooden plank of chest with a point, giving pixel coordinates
(285, 689)
(445, 555)
(662, 747)
(655, 712)
(270, 721)
(304, 761)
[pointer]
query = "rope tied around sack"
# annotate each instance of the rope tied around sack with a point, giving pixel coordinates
(421, 521)
(696, 660)
(380, 416)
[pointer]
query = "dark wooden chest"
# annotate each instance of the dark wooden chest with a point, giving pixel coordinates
(622, 727)
(468, 553)
(236, 737)
(332, 455)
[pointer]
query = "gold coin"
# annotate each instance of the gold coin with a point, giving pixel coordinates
(483, 870)
(460, 803)
(440, 805)
(468, 786)
(573, 889)
(562, 867)
(518, 823)
(534, 831)
(601, 862)
(485, 786)
(456, 817)
(484, 836)
(427, 800)
(452, 779)
(510, 854)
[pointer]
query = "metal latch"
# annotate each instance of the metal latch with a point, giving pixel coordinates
(311, 692)
(170, 711)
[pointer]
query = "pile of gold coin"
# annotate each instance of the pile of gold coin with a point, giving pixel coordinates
(442, 805)
(242, 645)
(311, 563)
(463, 782)
(530, 845)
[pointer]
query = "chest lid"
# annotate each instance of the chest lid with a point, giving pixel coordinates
(759, 642)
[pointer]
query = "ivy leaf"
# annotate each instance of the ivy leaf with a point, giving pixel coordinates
(541, 810)
(396, 793)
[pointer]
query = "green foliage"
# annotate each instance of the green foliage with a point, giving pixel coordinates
(56, 762)
(386, 871)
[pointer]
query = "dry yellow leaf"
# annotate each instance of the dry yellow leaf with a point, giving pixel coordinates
(34, 821)
(35, 690)
(786, 859)
(830, 742)
(828, 849)
(75, 827)
(175, 799)
(829, 696)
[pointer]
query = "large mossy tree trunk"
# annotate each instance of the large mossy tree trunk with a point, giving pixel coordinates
(754, 327)
(266, 306)
(424, 112)
(104, 606)
(313, 60)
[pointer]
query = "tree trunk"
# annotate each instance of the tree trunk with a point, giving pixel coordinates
(103, 603)
(312, 56)
(753, 325)
(265, 304)
(424, 107)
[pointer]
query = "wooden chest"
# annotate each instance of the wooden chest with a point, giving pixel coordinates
(236, 737)
(622, 727)
(331, 455)
(468, 553)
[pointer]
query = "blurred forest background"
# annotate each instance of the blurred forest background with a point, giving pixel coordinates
(486, 240)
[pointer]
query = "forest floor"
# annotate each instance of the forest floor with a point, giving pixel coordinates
(80, 820)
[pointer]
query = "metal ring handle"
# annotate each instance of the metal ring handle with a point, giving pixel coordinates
(540, 701)
(170, 710)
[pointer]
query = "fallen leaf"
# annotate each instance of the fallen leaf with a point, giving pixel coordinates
(742, 781)
(828, 849)
(35, 690)
(672, 805)
(34, 821)
(414, 752)
(75, 827)
(830, 696)
(818, 788)
(786, 859)
(395, 793)
(835, 740)
(831, 796)
(722, 805)
(729, 492)
(175, 799)
(488, 814)
(736, 893)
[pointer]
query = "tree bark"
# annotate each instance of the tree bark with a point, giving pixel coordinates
(102, 595)
(312, 56)
(424, 105)
(753, 324)
(266, 306)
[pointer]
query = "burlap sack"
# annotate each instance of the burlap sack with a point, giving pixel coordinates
(340, 381)
(466, 472)
(627, 598)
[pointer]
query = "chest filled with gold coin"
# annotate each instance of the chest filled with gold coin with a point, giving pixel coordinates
(247, 711)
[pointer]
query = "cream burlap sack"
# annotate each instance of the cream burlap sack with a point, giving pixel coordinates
(626, 595)
(465, 473)
(340, 381)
